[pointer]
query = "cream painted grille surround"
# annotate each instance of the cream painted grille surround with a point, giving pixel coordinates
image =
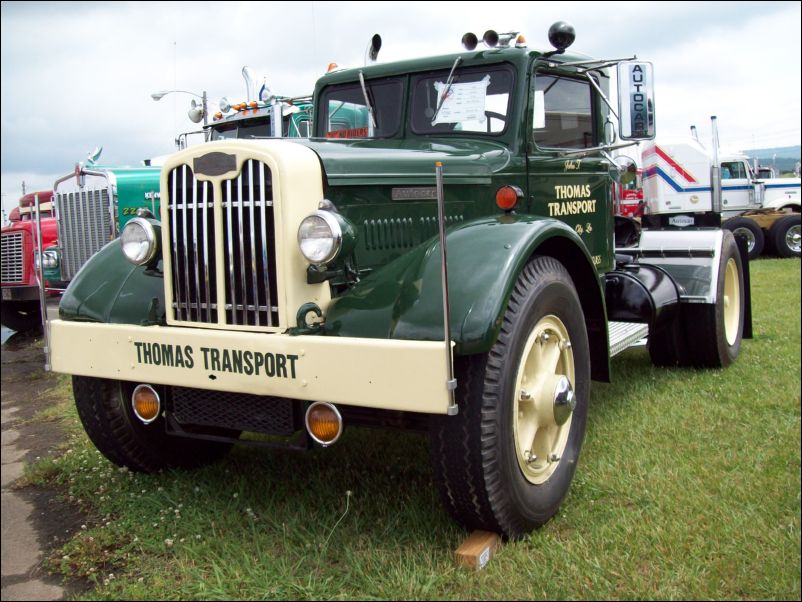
(229, 240)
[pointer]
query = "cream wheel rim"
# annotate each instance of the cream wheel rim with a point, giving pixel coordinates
(543, 399)
(732, 301)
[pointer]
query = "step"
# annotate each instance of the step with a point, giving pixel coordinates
(624, 335)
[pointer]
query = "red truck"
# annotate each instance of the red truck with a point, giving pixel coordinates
(20, 291)
(630, 196)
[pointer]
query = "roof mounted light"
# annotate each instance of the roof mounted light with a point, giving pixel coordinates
(372, 52)
(561, 35)
(469, 41)
(491, 39)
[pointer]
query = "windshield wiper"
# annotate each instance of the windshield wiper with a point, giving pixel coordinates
(367, 100)
(447, 89)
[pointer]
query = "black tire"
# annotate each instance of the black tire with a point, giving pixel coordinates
(784, 236)
(477, 461)
(104, 407)
(755, 239)
(716, 329)
(22, 316)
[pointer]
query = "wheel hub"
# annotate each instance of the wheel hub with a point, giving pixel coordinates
(544, 399)
(564, 401)
(793, 238)
(750, 237)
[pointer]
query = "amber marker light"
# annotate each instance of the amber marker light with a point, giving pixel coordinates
(146, 403)
(507, 197)
(324, 423)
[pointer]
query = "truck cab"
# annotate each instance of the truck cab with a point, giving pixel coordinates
(683, 182)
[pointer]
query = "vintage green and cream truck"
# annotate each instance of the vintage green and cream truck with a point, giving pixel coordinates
(448, 261)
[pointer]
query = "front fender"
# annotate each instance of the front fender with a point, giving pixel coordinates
(403, 300)
(108, 288)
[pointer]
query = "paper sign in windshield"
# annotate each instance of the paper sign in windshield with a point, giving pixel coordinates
(464, 102)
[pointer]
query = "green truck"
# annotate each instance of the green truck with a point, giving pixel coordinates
(446, 260)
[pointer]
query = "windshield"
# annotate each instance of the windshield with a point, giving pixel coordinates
(478, 100)
(345, 113)
(254, 129)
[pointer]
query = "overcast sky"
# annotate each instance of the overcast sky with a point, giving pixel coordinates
(79, 75)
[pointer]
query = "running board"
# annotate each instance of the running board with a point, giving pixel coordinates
(625, 334)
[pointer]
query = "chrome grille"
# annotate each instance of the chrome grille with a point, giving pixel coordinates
(247, 249)
(84, 226)
(191, 213)
(13, 266)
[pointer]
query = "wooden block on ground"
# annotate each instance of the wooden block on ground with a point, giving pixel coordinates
(477, 550)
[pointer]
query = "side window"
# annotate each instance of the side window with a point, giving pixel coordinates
(733, 170)
(567, 104)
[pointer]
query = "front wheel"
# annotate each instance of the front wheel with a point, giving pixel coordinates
(104, 407)
(506, 461)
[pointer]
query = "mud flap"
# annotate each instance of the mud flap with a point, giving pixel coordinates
(743, 250)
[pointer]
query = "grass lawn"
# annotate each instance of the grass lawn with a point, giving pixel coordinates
(688, 487)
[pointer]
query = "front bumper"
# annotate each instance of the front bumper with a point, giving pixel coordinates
(20, 293)
(372, 373)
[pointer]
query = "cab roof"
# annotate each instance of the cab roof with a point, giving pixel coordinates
(485, 56)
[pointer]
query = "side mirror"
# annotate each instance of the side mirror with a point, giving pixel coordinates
(636, 100)
(624, 170)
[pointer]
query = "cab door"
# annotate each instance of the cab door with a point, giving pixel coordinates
(737, 189)
(564, 186)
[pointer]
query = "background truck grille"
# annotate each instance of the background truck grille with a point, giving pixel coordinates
(84, 227)
(12, 258)
(240, 411)
(247, 249)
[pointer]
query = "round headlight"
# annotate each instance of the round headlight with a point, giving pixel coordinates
(139, 241)
(320, 237)
(50, 259)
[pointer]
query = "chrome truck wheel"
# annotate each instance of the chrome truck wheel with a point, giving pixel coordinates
(755, 239)
(505, 462)
(786, 236)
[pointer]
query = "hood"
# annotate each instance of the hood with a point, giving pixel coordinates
(371, 162)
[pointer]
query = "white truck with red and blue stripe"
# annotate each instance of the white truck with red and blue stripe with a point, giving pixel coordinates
(687, 186)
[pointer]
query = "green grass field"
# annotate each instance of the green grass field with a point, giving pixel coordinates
(688, 488)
